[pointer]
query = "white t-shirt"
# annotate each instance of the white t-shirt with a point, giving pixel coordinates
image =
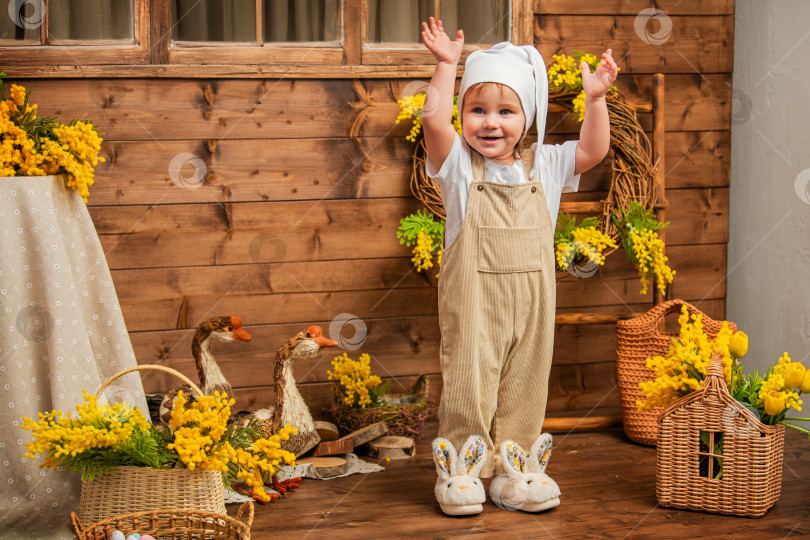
(455, 178)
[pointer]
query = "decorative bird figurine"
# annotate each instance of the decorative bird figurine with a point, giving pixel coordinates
(290, 406)
(226, 329)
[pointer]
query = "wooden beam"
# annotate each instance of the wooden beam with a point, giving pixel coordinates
(659, 138)
(592, 318)
(581, 423)
(160, 31)
(354, 25)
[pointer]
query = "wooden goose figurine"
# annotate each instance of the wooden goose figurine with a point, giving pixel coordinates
(226, 329)
(290, 406)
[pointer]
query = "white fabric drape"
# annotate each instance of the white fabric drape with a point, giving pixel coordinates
(61, 331)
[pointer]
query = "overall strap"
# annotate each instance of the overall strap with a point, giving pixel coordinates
(479, 166)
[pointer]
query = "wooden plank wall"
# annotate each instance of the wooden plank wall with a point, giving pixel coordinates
(294, 225)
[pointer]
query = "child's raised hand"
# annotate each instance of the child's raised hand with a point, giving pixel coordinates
(439, 43)
(597, 84)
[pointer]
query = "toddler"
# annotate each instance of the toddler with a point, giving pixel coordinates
(497, 288)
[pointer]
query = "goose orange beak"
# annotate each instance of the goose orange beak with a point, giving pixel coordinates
(325, 342)
(238, 332)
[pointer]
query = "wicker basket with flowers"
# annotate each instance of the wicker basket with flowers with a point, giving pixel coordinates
(362, 399)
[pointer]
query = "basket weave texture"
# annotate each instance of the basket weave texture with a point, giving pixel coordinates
(127, 489)
(751, 455)
(171, 524)
(405, 415)
(636, 340)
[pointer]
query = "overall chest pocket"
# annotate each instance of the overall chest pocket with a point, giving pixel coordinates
(510, 249)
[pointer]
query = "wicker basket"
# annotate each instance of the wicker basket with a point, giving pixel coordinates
(750, 457)
(405, 414)
(125, 490)
(636, 340)
(171, 524)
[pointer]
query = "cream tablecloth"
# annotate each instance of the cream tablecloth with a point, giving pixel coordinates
(61, 331)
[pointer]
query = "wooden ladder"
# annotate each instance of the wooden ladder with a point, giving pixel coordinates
(656, 108)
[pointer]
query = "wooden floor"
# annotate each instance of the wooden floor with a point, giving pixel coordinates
(607, 483)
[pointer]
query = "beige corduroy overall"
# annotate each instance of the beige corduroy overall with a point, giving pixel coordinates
(497, 297)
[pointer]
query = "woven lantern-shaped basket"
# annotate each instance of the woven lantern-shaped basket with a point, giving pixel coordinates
(714, 455)
(127, 489)
(636, 340)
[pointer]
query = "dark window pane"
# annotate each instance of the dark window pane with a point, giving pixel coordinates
(213, 20)
(483, 21)
(301, 20)
(703, 465)
(398, 21)
(20, 20)
(92, 19)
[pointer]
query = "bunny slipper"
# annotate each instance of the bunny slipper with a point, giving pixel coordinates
(458, 490)
(526, 486)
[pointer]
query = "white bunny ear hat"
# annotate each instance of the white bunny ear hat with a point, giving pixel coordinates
(458, 489)
(522, 69)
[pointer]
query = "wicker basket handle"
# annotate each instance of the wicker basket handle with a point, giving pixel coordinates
(658, 313)
(146, 367)
(672, 306)
(249, 506)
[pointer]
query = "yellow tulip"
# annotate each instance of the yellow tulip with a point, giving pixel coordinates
(738, 345)
(794, 375)
(804, 387)
(774, 403)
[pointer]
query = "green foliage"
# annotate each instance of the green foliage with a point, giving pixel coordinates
(376, 393)
(566, 224)
(411, 225)
(635, 218)
(141, 449)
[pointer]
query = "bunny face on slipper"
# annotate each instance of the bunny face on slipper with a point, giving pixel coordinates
(458, 484)
(529, 487)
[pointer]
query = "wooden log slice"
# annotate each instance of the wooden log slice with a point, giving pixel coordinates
(391, 447)
(366, 434)
(332, 448)
(326, 467)
(327, 430)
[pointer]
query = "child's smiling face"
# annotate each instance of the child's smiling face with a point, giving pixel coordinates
(493, 121)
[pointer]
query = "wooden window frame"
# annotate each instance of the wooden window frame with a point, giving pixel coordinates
(154, 54)
(76, 53)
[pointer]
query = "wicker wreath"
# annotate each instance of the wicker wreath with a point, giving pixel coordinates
(633, 177)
